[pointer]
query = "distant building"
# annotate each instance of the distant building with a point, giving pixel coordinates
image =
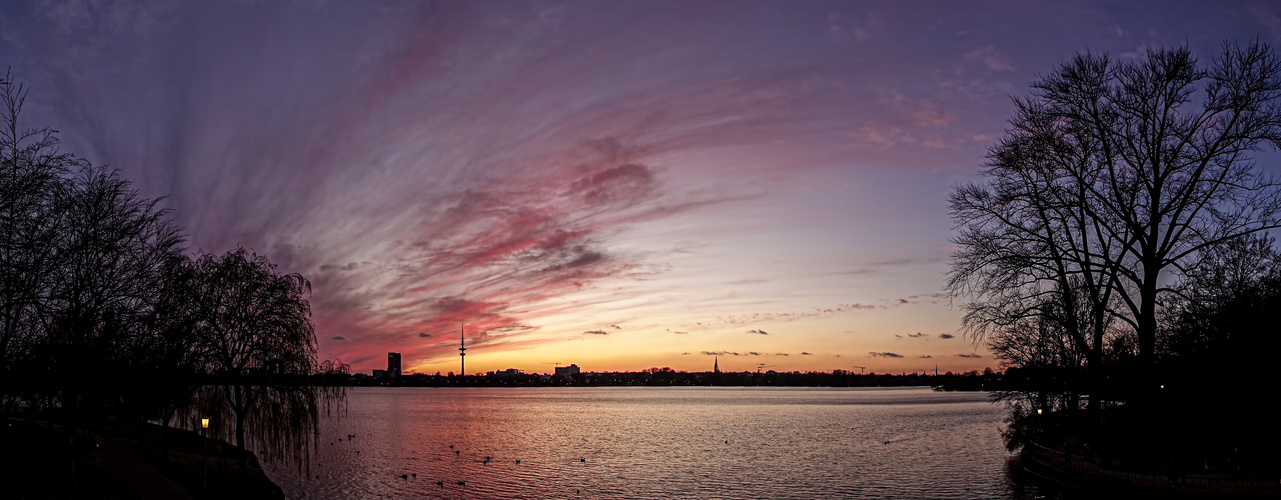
(716, 365)
(508, 373)
(380, 374)
(393, 364)
(567, 371)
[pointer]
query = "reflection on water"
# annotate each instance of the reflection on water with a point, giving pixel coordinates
(642, 442)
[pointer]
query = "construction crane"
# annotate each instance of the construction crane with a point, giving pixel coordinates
(860, 369)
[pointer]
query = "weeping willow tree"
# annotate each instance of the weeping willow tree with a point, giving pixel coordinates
(258, 346)
(105, 316)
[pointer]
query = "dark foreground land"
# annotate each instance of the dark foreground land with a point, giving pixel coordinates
(1128, 453)
(112, 460)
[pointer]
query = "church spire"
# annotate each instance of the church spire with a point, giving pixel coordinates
(716, 364)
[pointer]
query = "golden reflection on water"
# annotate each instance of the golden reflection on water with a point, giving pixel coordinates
(643, 442)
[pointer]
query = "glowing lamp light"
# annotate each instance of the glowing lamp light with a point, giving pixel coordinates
(1163, 386)
(204, 423)
(1038, 411)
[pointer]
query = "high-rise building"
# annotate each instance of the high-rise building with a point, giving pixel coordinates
(567, 371)
(393, 364)
(716, 365)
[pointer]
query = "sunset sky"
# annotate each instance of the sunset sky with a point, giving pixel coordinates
(620, 185)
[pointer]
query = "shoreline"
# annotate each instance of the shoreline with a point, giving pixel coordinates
(114, 460)
(1093, 473)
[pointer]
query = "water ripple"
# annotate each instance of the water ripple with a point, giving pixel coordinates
(673, 443)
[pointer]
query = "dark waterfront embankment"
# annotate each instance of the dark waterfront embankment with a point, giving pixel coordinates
(39, 458)
(1149, 450)
(1168, 480)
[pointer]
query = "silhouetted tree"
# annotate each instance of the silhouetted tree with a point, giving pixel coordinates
(112, 253)
(1225, 321)
(163, 359)
(31, 189)
(1114, 174)
(255, 335)
(1026, 245)
(102, 313)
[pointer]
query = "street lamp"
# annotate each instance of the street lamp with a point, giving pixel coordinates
(204, 428)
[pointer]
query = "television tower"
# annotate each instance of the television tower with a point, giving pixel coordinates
(462, 350)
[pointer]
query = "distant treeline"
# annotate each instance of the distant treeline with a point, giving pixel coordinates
(987, 380)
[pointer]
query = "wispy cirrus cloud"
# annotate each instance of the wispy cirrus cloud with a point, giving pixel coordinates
(436, 194)
(484, 167)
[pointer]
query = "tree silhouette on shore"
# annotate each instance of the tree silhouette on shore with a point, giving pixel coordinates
(254, 333)
(1097, 248)
(1116, 177)
(105, 315)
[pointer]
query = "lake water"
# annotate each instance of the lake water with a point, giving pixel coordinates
(648, 442)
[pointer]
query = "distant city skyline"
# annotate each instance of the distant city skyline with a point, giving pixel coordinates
(614, 185)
